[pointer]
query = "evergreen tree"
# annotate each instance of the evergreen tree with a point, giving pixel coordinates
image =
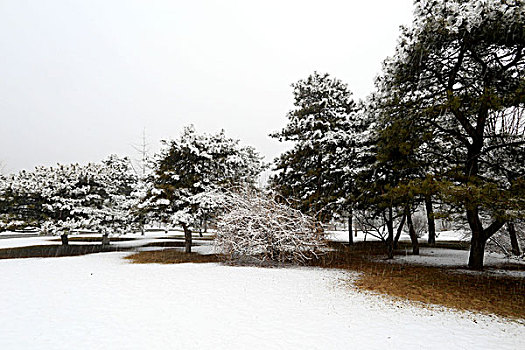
(313, 175)
(70, 197)
(458, 75)
(188, 171)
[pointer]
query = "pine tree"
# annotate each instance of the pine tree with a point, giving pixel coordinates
(313, 174)
(71, 197)
(189, 169)
(458, 75)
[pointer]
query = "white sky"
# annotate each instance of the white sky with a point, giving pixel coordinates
(79, 80)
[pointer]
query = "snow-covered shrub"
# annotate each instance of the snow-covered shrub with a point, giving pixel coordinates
(256, 226)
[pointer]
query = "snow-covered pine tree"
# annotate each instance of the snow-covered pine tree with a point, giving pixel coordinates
(313, 175)
(118, 182)
(70, 197)
(189, 169)
(20, 201)
(457, 70)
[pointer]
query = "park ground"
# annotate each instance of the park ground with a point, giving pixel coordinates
(139, 295)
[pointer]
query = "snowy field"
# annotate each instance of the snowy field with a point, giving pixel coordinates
(101, 301)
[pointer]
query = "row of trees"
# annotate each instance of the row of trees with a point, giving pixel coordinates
(71, 197)
(110, 197)
(444, 125)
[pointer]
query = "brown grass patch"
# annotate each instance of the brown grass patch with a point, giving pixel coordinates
(53, 251)
(195, 236)
(93, 239)
(500, 295)
(171, 256)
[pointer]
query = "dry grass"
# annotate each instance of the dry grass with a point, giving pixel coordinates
(171, 256)
(500, 295)
(53, 251)
(93, 239)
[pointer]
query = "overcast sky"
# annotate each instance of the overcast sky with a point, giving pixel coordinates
(80, 80)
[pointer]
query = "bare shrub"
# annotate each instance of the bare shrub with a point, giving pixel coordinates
(501, 242)
(419, 221)
(256, 226)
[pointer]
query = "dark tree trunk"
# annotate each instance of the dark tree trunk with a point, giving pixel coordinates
(187, 238)
(430, 221)
(105, 239)
(65, 239)
(350, 224)
(479, 237)
(478, 240)
(412, 233)
(390, 238)
(477, 251)
(513, 239)
(205, 223)
(399, 231)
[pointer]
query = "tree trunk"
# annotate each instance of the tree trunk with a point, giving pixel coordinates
(399, 231)
(390, 239)
(412, 233)
(187, 238)
(105, 239)
(479, 237)
(478, 240)
(477, 251)
(430, 221)
(64, 238)
(350, 237)
(513, 239)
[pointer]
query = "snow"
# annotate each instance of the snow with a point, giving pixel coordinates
(28, 241)
(342, 236)
(458, 258)
(138, 240)
(442, 257)
(103, 301)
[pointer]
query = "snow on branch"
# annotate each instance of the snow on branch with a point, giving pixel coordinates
(256, 226)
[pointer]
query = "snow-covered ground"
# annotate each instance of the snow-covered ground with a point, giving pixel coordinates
(459, 258)
(342, 236)
(440, 256)
(101, 301)
(136, 240)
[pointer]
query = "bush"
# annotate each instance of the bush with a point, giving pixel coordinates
(256, 226)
